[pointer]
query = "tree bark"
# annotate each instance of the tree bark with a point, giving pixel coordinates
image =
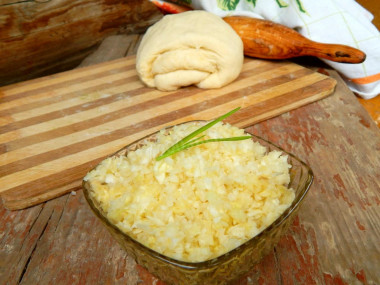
(40, 38)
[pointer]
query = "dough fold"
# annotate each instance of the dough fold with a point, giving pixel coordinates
(191, 48)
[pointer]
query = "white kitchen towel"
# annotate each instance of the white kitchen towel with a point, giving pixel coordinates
(327, 21)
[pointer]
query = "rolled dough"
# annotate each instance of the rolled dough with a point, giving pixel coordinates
(194, 47)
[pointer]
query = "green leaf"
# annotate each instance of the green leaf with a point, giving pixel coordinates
(300, 6)
(217, 140)
(191, 139)
(227, 5)
(281, 4)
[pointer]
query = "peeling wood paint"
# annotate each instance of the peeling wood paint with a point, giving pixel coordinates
(334, 239)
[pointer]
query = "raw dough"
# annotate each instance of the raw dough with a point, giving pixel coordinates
(194, 47)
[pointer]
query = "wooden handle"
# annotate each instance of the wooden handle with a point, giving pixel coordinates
(266, 39)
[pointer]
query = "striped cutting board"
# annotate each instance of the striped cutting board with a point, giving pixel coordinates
(54, 129)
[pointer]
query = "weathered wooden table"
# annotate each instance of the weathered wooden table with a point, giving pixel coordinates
(334, 239)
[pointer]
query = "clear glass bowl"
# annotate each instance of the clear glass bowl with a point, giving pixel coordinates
(229, 266)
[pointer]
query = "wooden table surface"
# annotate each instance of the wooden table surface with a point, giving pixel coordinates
(333, 240)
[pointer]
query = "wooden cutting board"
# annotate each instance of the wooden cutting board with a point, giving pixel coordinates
(54, 129)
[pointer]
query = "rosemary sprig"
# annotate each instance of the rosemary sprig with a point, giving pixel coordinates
(190, 140)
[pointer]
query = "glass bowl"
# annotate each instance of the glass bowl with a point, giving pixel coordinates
(227, 267)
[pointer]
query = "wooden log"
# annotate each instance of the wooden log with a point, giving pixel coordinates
(40, 38)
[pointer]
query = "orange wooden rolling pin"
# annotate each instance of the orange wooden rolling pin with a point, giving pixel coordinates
(266, 39)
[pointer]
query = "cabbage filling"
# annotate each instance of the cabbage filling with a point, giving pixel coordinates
(198, 203)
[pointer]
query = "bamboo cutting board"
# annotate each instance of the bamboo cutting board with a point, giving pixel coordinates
(54, 129)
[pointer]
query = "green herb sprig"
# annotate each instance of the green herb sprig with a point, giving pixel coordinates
(191, 139)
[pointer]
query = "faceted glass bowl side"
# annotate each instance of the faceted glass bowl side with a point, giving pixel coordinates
(226, 267)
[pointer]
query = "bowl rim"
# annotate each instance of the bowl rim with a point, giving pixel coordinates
(221, 258)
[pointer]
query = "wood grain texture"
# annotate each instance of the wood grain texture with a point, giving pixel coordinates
(54, 129)
(340, 228)
(267, 39)
(44, 37)
(334, 239)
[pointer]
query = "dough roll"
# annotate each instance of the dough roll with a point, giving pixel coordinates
(191, 48)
